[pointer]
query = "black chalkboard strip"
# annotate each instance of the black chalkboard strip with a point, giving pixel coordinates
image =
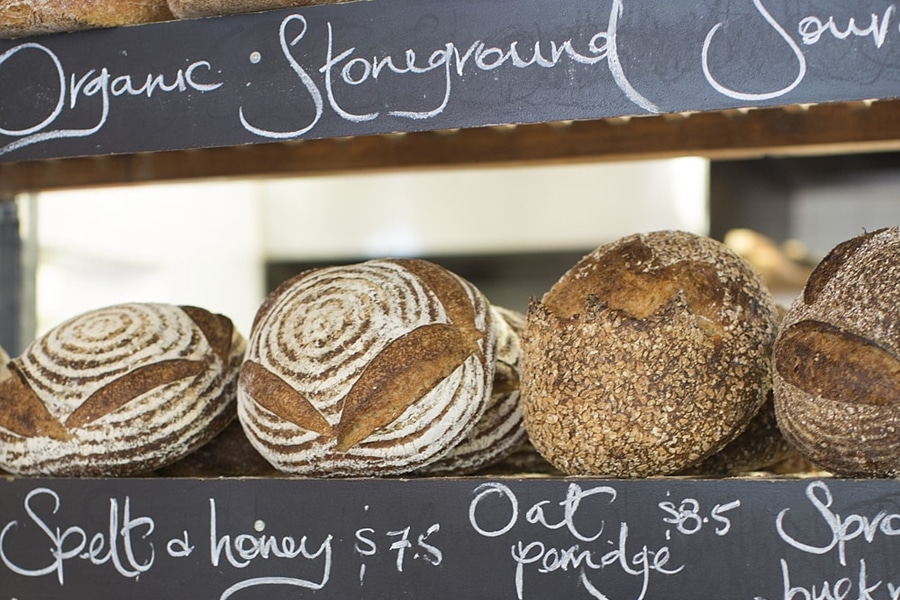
(382, 66)
(449, 538)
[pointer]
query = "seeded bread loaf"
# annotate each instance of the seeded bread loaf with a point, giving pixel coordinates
(33, 17)
(377, 368)
(119, 390)
(837, 360)
(649, 355)
(760, 447)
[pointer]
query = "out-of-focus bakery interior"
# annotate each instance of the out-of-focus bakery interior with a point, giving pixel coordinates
(513, 231)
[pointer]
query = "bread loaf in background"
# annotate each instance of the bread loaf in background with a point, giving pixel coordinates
(119, 390)
(648, 356)
(191, 9)
(837, 360)
(377, 368)
(229, 454)
(34, 17)
(760, 447)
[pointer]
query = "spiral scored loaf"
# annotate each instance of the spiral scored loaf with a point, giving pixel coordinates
(837, 360)
(376, 368)
(649, 355)
(499, 432)
(34, 17)
(119, 390)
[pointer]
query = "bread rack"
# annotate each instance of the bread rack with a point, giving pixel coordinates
(505, 537)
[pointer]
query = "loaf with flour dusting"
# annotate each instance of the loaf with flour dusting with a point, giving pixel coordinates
(33, 17)
(377, 368)
(837, 360)
(500, 431)
(119, 390)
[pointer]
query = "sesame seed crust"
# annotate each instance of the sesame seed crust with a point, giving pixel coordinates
(648, 356)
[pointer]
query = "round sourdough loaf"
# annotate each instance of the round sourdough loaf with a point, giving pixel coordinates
(499, 432)
(34, 17)
(649, 355)
(119, 390)
(837, 360)
(376, 368)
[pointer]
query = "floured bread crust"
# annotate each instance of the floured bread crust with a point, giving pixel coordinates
(837, 360)
(500, 431)
(120, 390)
(33, 17)
(649, 355)
(377, 368)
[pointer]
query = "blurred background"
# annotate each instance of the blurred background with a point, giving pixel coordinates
(224, 245)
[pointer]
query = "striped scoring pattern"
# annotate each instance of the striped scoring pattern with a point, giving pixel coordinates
(837, 360)
(370, 369)
(119, 390)
(500, 431)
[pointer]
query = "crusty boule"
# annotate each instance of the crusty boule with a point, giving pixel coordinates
(650, 354)
(119, 390)
(371, 369)
(837, 360)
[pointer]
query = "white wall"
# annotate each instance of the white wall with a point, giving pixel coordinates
(206, 244)
(183, 244)
(487, 210)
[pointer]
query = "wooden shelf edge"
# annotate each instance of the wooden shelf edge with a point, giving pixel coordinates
(740, 134)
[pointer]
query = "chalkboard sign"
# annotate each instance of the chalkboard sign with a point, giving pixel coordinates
(371, 67)
(476, 539)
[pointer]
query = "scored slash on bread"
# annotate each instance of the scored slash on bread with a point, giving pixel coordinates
(277, 396)
(405, 371)
(826, 361)
(134, 384)
(376, 368)
(23, 413)
(119, 390)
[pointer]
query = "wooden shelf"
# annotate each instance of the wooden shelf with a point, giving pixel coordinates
(745, 537)
(793, 130)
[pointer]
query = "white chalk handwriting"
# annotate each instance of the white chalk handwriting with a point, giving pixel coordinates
(810, 29)
(579, 513)
(325, 83)
(839, 529)
(120, 545)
